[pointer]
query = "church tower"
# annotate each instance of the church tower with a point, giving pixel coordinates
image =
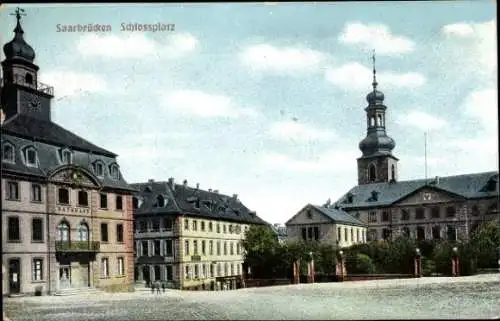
(20, 90)
(377, 164)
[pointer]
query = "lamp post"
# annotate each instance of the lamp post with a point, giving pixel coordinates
(455, 265)
(418, 263)
(341, 266)
(311, 275)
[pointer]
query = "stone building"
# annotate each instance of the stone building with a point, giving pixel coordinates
(66, 209)
(327, 225)
(188, 237)
(441, 207)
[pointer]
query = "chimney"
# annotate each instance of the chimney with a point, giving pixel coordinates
(151, 180)
(235, 196)
(171, 183)
(185, 183)
(437, 180)
(216, 191)
(210, 190)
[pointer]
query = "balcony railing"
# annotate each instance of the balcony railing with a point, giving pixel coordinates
(78, 246)
(20, 80)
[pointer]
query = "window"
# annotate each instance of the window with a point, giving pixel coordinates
(212, 270)
(436, 232)
(210, 227)
(186, 247)
(225, 248)
(405, 231)
(30, 156)
(98, 169)
(450, 211)
(372, 173)
(143, 226)
(218, 247)
(316, 233)
(435, 212)
(155, 225)
(63, 231)
(114, 172)
(14, 233)
(452, 233)
(202, 226)
(224, 228)
(195, 225)
(63, 196)
(37, 269)
(226, 269)
(36, 193)
(135, 202)
(119, 233)
(339, 234)
(145, 248)
(420, 213)
(104, 200)
(195, 247)
(372, 235)
(203, 271)
(186, 224)
(37, 230)
(304, 233)
(28, 79)
(405, 215)
(357, 236)
(385, 216)
(309, 214)
(168, 224)
(66, 157)
(160, 201)
(104, 267)
(218, 228)
(475, 211)
(83, 198)
(345, 234)
(157, 272)
(238, 249)
(83, 232)
(119, 203)
(231, 248)
(210, 247)
(187, 273)
(219, 269)
(393, 172)
(196, 271)
(8, 154)
(121, 266)
(169, 273)
(232, 269)
(104, 232)
(203, 248)
(12, 191)
(169, 248)
(372, 217)
(156, 247)
(352, 235)
(310, 233)
(420, 233)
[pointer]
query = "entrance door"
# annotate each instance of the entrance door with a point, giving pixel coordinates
(14, 276)
(145, 274)
(64, 277)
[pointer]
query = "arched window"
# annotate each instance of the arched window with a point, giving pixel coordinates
(30, 156)
(393, 172)
(98, 168)
(28, 79)
(8, 154)
(160, 201)
(83, 232)
(66, 156)
(63, 231)
(372, 171)
(372, 121)
(114, 172)
(379, 123)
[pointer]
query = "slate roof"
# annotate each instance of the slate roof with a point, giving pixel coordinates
(49, 132)
(468, 186)
(49, 148)
(338, 215)
(181, 199)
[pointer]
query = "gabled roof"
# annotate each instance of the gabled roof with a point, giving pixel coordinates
(181, 199)
(468, 186)
(333, 214)
(49, 132)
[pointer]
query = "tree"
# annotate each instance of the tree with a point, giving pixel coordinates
(262, 251)
(485, 243)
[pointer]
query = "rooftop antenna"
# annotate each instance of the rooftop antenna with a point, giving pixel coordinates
(425, 154)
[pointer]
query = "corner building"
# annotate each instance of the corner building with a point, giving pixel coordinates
(438, 208)
(66, 209)
(187, 237)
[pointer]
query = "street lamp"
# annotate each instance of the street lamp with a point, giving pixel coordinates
(311, 275)
(455, 271)
(341, 266)
(418, 263)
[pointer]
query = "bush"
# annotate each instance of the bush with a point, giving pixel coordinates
(361, 264)
(428, 266)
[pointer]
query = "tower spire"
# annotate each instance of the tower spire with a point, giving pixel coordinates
(18, 13)
(374, 83)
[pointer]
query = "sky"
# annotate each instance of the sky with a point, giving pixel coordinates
(266, 100)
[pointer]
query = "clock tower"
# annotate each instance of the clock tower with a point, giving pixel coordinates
(20, 90)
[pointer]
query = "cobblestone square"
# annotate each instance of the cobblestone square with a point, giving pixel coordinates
(475, 297)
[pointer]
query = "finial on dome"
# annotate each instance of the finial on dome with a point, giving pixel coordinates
(18, 13)
(374, 83)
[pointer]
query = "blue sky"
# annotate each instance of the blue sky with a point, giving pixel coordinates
(267, 100)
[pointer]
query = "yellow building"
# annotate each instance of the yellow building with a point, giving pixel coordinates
(187, 237)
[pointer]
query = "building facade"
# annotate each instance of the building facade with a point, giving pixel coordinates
(326, 225)
(188, 237)
(438, 208)
(66, 209)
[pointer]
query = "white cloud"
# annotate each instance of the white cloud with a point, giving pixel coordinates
(68, 83)
(458, 29)
(199, 103)
(483, 105)
(331, 161)
(298, 132)
(375, 36)
(268, 58)
(356, 76)
(136, 45)
(421, 120)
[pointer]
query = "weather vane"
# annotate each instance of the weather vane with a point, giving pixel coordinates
(18, 13)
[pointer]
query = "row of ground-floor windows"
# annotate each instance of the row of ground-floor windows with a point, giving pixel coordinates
(419, 233)
(202, 271)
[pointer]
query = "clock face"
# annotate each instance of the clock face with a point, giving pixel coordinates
(33, 102)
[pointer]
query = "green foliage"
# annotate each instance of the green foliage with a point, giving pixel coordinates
(428, 266)
(362, 265)
(486, 243)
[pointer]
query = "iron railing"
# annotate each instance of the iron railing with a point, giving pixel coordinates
(20, 80)
(78, 246)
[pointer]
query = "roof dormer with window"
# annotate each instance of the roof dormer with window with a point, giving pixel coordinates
(98, 168)
(114, 171)
(8, 153)
(65, 156)
(30, 156)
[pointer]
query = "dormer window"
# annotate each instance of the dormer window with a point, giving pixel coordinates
(30, 156)
(160, 201)
(66, 156)
(114, 172)
(309, 214)
(350, 198)
(98, 168)
(135, 202)
(374, 196)
(8, 154)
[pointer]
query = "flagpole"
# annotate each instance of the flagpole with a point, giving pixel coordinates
(425, 154)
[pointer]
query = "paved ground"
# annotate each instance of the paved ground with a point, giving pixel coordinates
(476, 297)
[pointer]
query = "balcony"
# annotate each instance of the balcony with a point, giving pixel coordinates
(77, 246)
(20, 80)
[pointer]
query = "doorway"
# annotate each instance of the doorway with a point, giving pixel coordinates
(64, 277)
(145, 274)
(14, 276)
